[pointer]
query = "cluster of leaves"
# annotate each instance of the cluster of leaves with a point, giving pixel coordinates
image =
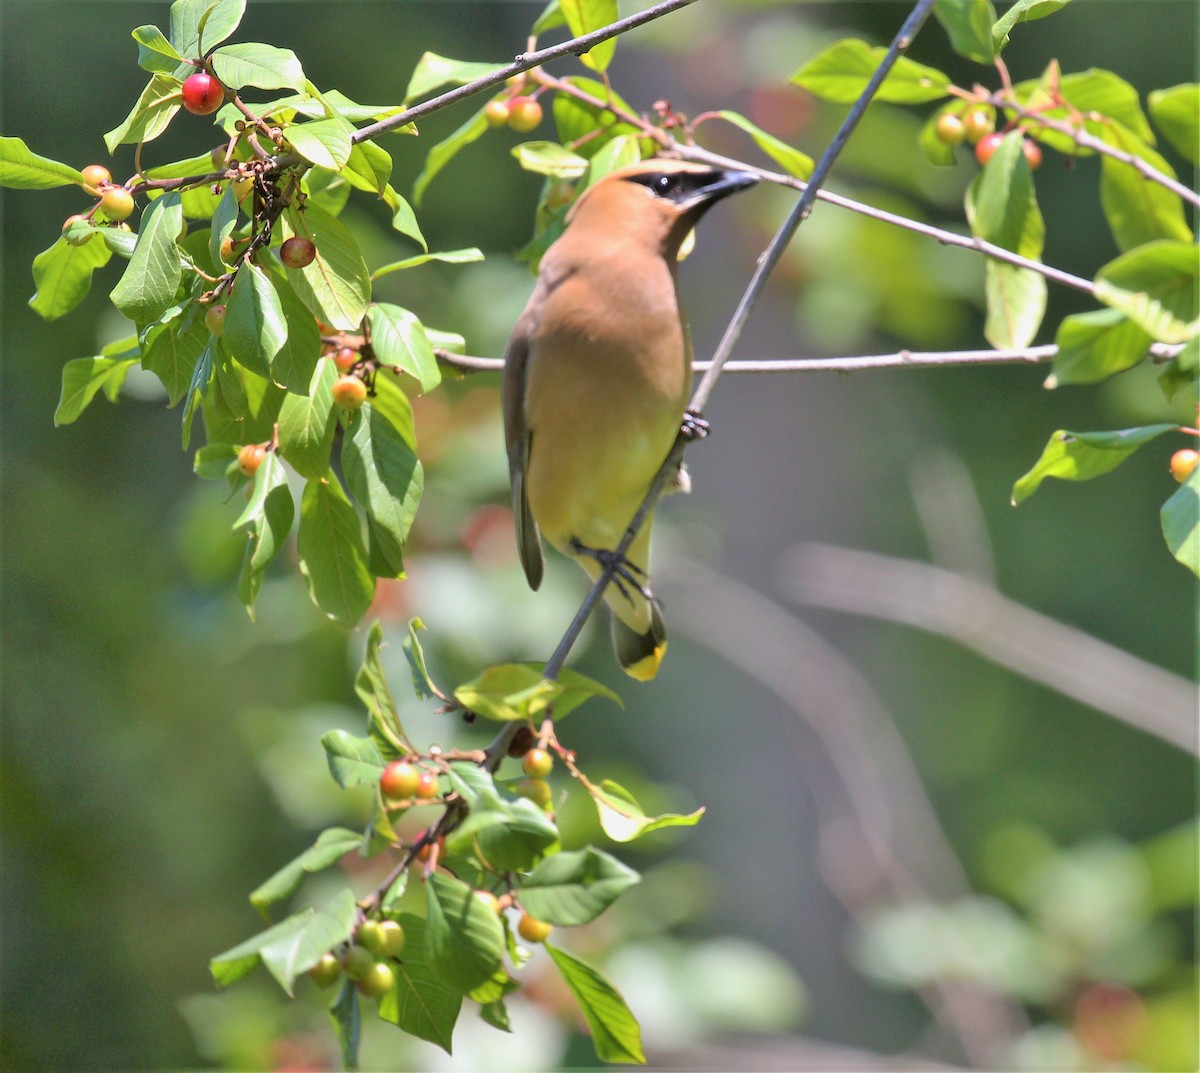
(485, 845)
(1147, 294)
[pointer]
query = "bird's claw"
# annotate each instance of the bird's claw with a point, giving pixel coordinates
(693, 427)
(621, 571)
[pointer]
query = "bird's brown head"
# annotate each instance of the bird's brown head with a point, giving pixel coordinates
(658, 200)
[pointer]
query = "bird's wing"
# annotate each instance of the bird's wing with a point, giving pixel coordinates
(517, 439)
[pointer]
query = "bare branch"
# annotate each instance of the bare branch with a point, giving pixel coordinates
(978, 617)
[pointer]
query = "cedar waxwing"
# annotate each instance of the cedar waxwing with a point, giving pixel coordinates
(597, 376)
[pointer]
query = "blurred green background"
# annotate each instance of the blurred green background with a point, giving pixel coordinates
(161, 753)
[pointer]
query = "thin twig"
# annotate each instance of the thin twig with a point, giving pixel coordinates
(766, 264)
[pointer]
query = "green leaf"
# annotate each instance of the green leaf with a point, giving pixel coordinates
(584, 16)
(203, 22)
(255, 327)
(551, 18)
(576, 887)
(1021, 11)
(1096, 345)
(267, 520)
(422, 684)
(352, 761)
(333, 558)
(454, 257)
(1181, 370)
(575, 119)
(399, 339)
(24, 170)
(215, 461)
(421, 1003)
(1138, 210)
(82, 378)
(518, 841)
(1079, 456)
(446, 150)
(384, 475)
(150, 115)
(307, 423)
(324, 142)
(1155, 286)
(347, 1024)
(336, 286)
(465, 937)
(507, 691)
(1176, 112)
(404, 219)
(330, 847)
(373, 690)
(623, 819)
(264, 66)
(148, 286)
(841, 72)
(434, 71)
(172, 349)
(63, 275)
(615, 1032)
(550, 158)
(791, 160)
(369, 167)
(1181, 522)
(294, 365)
(1016, 304)
(968, 24)
(155, 53)
(198, 386)
(224, 221)
(292, 946)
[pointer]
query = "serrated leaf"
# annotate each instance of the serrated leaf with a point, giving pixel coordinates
(615, 1032)
(333, 557)
(1137, 210)
(791, 160)
(841, 72)
(372, 687)
(422, 683)
(550, 158)
(210, 20)
(324, 142)
(445, 151)
(384, 475)
(434, 71)
(1096, 345)
(623, 819)
(336, 286)
(465, 937)
(82, 378)
(267, 521)
(1181, 522)
(1176, 112)
(255, 327)
(421, 1003)
(519, 840)
(453, 257)
(1079, 456)
(1022, 11)
(352, 761)
(22, 169)
(150, 115)
(147, 287)
(330, 847)
(63, 276)
(399, 339)
(968, 23)
(307, 423)
(1155, 286)
(253, 64)
(585, 16)
(575, 887)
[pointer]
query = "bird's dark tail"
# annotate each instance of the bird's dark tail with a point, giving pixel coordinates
(639, 652)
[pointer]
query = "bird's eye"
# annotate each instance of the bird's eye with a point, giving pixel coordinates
(664, 184)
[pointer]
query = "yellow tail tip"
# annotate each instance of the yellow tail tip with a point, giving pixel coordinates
(646, 668)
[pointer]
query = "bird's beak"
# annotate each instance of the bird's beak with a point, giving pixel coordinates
(722, 184)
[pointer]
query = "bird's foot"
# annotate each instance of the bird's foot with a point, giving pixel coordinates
(625, 575)
(693, 427)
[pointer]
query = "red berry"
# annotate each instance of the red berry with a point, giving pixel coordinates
(399, 780)
(214, 319)
(116, 203)
(427, 786)
(297, 252)
(950, 130)
(987, 147)
(532, 930)
(345, 358)
(1033, 153)
(524, 113)
(95, 176)
(202, 94)
(537, 763)
(250, 458)
(349, 392)
(1183, 462)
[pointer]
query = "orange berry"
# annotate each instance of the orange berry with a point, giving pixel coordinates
(1183, 462)
(250, 458)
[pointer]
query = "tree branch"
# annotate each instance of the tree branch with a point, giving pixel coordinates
(733, 331)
